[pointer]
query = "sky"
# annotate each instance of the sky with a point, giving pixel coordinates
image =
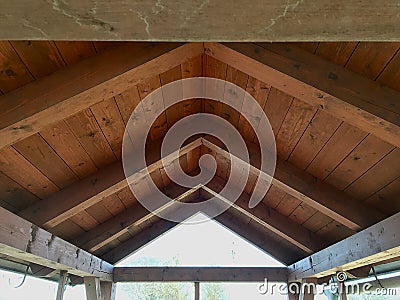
(200, 244)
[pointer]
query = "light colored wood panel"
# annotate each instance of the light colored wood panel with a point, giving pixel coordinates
(99, 212)
(126, 197)
(127, 102)
(317, 221)
(339, 146)
(15, 166)
(159, 127)
(273, 197)
(43, 157)
(319, 131)
(175, 112)
(259, 91)
(239, 79)
(73, 52)
(295, 123)
(214, 69)
(302, 213)
(41, 57)
(110, 121)
(369, 59)
(90, 136)
(381, 174)
(14, 73)
(363, 157)
(60, 137)
(276, 108)
(192, 68)
(84, 220)
(113, 204)
(287, 205)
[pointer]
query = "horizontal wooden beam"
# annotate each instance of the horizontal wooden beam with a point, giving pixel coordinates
(315, 193)
(340, 92)
(199, 274)
(23, 240)
(31, 108)
(61, 206)
(377, 243)
(256, 20)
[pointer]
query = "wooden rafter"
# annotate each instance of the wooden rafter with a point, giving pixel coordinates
(25, 111)
(377, 243)
(315, 193)
(346, 95)
(90, 191)
(23, 240)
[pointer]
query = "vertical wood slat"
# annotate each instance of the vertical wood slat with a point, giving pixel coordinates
(92, 287)
(61, 285)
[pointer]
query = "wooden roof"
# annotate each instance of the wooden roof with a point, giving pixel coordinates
(65, 106)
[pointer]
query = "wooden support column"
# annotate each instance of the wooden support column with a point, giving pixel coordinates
(308, 289)
(197, 290)
(61, 285)
(294, 290)
(92, 287)
(107, 289)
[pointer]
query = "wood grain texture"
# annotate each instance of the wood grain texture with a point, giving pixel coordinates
(195, 20)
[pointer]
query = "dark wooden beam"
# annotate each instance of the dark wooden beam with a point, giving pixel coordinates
(200, 274)
(272, 220)
(315, 193)
(138, 241)
(23, 240)
(27, 110)
(61, 206)
(212, 20)
(346, 95)
(375, 244)
(125, 221)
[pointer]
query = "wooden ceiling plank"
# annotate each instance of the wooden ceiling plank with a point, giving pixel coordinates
(14, 73)
(35, 106)
(337, 148)
(315, 193)
(89, 191)
(192, 68)
(348, 96)
(23, 240)
(45, 159)
(110, 121)
(390, 76)
(337, 52)
(376, 243)
(60, 137)
(75, 51)
(214, 69)
(40, 57)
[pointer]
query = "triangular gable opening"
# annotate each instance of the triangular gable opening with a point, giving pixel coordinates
(200, 244)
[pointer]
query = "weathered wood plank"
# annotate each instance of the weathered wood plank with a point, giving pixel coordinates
(23, 240)
(207, 274)
(374, 244)
(342, 93)
(33, 107)
(212, 20)
(92, 288)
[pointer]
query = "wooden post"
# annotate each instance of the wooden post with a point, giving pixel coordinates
(197, 290)
(107, 290)
(92, 286)
(61, 285)
(308, 289)
(294, 290)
